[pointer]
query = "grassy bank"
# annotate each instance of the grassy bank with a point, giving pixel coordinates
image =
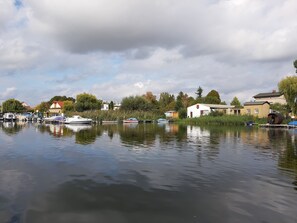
(223, 120)
(117, 115)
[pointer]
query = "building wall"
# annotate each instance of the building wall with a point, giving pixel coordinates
(197, 110)
(260, 111)
(171, 114)
(272, 100)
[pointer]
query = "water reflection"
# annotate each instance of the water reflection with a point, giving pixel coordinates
(11, 128)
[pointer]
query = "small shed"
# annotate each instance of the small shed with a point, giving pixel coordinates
(171, 114)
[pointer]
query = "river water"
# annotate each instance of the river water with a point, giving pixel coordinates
(146, 173)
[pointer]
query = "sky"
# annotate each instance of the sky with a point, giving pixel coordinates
(119, 48)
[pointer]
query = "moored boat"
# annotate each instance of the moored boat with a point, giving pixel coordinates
(162, 120)
(57, 118)
(131, 120)
(76, 119)
(9, 117)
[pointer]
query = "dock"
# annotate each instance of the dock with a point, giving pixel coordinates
(284, 126)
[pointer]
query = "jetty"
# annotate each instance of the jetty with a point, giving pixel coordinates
(284, 126)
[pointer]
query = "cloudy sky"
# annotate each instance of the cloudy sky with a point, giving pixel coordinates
(118, 48)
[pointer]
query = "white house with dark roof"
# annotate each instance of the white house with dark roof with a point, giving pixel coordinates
(272, 97)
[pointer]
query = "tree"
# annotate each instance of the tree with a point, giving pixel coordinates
(295, 65)
(135, 103)
(166, 101)
(68, 106)
(111, 106)
(86, 102)
(42, 107)
(236, 102)
(151, 98)
(213, 97)
(288, 86)
(199, 92)
(12, 105)
(61, 98)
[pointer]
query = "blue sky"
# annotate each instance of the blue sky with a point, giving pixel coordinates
(116, 49)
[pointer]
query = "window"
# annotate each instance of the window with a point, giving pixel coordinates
(248, 111)
(256, 110)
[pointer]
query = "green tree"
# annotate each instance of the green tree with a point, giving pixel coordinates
(166, 101)
(135, 103)
(283, 109)
(151, 98)
(288, 86)
(61, 98)
(295, 65)
(13, 105)
(68, 106)
(213, 97)
(111, 106)
(236, 102)
(199, 92)
(42, 107)
(86, 102)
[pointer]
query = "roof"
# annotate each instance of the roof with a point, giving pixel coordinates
(256, 103)
(268, 95)
(60, 103)
(216, 106)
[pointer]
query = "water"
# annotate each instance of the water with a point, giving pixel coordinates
(146, 173)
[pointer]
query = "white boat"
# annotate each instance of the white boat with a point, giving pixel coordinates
(162, 120)
(57, 118)
(130, 120)
(9, 117)
(76, 119)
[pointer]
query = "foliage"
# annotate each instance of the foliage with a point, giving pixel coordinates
(283, 109)
(166, 102)
(86, 102)
(213, 97)
(13, 105)
(151, 98)
(133, 103)
(68, 106)
(236, 102)
(199, 92)
(223, 120)
(295, 65)
(288, 86)
(182, 113)
(61, 98)
(42, 107)
(111, 106)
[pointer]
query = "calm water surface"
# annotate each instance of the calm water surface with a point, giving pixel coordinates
(146, 173)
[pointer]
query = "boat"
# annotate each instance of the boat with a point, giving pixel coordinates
(9, 117)
(76, 119)
(293, 123)
(131, 120)
(57, 118)
(162, 120)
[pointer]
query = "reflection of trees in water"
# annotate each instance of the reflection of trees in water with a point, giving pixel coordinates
(86, 136)
(288, 154)
(11, 128)
(138, 134)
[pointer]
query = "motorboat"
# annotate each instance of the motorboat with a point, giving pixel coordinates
(9, 117)
(57, 118)
(76, 119)
(131, 120)
(162, 120)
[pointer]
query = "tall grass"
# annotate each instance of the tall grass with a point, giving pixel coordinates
(223, 120)
(117, 115)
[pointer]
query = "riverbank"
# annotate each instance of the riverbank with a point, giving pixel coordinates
(117, 115)
(223, 120)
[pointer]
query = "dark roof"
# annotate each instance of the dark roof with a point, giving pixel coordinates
(268, 95)
(256, 103)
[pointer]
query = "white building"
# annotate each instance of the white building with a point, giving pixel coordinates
(198, 110)
(105, 107)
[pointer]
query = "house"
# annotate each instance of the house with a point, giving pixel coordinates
(105, 106)
(198, 110)
(272, 97)
(258, 109)
(26, 106)
(171, 114)
(56, 107)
